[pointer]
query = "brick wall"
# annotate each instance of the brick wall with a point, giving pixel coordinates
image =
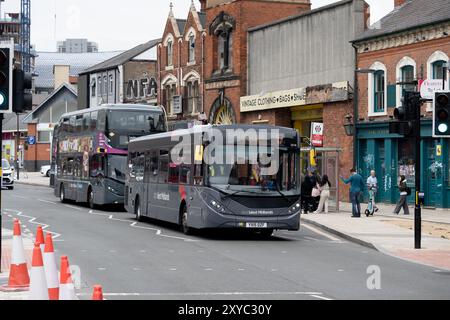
(248, 14)
(38, 154)
(419, 52)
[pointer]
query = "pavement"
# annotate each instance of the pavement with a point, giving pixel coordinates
(33, 178)
(384, 232)
(154, 260)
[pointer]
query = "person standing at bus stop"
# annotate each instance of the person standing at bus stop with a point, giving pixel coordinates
(356, 187)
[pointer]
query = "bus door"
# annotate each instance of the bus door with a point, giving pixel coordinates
(151, 176)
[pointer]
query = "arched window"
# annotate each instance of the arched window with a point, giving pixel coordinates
(405, 72)
(435, 65)
(377, 89)
(438, 69)
(191, 49)
(169, 51)
(222, 28)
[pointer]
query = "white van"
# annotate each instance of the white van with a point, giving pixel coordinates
(8, 175)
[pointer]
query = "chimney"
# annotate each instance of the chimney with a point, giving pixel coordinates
(202, 5)
(398, 3)
(62, 75)
(366, 16)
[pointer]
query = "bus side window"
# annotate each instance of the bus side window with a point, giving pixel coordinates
(174, 173)
(86, 121)
(153, 170)
(163, 166)
(97, 166)
(94, 117)
(79, 123)
(140, 167)
(185, 174)
(101, 121)
(72, 122)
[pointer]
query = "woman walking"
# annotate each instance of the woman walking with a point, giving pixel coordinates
(324, 187)
(403, 202)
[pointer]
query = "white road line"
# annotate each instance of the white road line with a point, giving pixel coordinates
(72, 207)
(33, 221)
(320, 297)
(46, 201)
(320, 232)
(162, 294)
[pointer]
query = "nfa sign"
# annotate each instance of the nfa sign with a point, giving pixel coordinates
(429, 86)
(317, 134)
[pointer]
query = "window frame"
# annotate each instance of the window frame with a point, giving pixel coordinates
(376, 66)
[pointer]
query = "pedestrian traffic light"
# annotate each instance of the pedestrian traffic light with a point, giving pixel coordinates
(441, 114)
(23, 99)
(6, 67)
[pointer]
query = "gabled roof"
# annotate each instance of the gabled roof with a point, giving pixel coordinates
(181, 23)
(10, 123)
(45, 61)
(411, 15)
(123, 57)
(202, 18)
(64, 86)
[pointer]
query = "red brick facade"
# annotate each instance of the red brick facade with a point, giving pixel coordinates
(187, 66)
(244, 14)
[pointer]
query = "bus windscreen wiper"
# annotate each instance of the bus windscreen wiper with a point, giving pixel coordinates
(281, 193)
(237, 192)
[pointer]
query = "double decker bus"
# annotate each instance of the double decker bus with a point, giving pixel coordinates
(193, 190)
(90, 149)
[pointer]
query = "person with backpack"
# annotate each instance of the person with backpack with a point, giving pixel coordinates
(324, 187)
(404, 192)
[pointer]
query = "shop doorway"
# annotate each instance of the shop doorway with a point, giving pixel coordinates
(432, 170)
(327, 160)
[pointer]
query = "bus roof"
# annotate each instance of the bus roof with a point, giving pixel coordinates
(124, 106)
(207, 128)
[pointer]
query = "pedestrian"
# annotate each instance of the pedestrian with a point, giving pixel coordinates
(324, 187)
(356, 187)
(306, 190)
(402, 202)
(372, 184)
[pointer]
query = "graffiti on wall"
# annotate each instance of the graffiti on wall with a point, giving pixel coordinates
(142, 88)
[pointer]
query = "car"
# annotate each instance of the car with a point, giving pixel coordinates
(45, 170)
(8, 175)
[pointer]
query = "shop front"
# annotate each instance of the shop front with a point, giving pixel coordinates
(391, 156)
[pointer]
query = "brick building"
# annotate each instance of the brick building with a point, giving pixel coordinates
(181, 67)
(411, 43)
(227, 24)
(301, 73)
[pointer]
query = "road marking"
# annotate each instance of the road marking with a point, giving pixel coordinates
(208, 269)
(46, 201)
(277, 293)
(341, 270)
(326, 235)
(32, 220)
(101, 269)
(320, 297)
(72, 207)
(173, 269)
(240, 269)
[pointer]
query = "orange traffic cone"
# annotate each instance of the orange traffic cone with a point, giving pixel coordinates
(51, 270)
(66, 287)
(98, 293)
(40, 238)
(19, 279)
(38, 284)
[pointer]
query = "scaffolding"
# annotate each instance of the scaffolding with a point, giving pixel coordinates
(25, 35)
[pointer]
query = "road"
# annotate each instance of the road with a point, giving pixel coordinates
(151, 260)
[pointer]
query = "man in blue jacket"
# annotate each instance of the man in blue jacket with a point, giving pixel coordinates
(356, 187)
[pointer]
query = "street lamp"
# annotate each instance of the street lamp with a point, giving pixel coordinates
(349, 126)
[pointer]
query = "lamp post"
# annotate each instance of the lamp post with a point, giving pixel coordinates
(349, 126)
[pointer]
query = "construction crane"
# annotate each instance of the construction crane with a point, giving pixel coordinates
(25, 34)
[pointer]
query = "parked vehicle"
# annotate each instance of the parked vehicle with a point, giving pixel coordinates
(8, 175)
(45, 170)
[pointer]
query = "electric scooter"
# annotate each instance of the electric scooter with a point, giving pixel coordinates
(370, 206)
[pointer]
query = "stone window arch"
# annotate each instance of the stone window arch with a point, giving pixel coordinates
(405, 71)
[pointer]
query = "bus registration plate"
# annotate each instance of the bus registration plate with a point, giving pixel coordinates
(256, 224)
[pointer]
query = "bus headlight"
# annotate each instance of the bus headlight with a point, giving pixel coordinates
(295, 208)
(217, 205)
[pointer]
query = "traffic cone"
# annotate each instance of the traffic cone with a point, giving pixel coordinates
(98, 293)
(66, 287)
(40, 238)
(38, 283)
(51, 270)
(19, 279)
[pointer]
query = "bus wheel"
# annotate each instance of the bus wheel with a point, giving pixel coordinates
(90, 198)
(137, 209)
(62, 193)
(184, 225)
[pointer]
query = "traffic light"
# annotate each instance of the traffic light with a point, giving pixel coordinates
(441, 114)
(6, 67)
(406, 114)
(23, 99)
(312, 158)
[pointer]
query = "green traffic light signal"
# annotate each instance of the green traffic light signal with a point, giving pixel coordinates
(5, 78)
(441, 114)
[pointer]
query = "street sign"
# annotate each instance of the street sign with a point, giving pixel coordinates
(31, 140)
(317, 134)
(429, 87)
(177, 105)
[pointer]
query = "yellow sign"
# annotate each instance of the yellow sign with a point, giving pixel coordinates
(438, 150)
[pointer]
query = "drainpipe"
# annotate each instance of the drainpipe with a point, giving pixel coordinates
(203, 72)
(355, 106)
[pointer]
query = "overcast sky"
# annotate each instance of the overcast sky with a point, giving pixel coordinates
(117, 25)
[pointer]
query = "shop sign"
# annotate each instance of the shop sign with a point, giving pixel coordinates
(429, 86)
(332, 92)
(317, 134)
